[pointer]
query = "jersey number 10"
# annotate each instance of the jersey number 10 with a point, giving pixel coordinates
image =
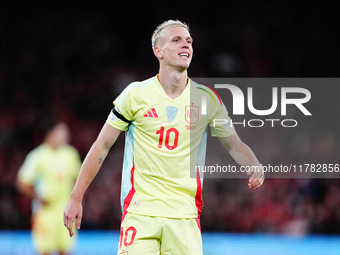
(167, 138)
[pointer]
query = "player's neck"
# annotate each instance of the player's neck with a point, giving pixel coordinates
(52, 143)
(173, 81)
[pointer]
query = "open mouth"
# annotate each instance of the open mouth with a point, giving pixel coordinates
(184, 55)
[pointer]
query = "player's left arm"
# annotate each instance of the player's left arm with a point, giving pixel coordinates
(28, 190)
(244, 156)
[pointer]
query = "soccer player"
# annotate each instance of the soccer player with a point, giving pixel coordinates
(47, 177)
(165, 137)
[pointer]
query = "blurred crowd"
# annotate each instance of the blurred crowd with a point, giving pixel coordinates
(73, 66)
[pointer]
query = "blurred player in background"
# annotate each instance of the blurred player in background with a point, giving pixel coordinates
(166, 135)
(47, 177)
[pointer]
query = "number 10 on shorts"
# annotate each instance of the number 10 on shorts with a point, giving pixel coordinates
(127, 237)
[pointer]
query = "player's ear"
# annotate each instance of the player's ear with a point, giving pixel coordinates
(158, 52)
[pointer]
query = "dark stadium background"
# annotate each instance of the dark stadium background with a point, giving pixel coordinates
(72, 60)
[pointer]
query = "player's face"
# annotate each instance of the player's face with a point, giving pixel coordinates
(175, 48)
(61, 134)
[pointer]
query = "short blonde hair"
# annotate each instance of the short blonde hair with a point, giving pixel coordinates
(166, 24)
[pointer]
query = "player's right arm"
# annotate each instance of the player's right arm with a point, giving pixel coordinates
(90, 167)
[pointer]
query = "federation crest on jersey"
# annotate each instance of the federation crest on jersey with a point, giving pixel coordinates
(191, 114)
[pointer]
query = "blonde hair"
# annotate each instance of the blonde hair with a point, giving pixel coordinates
(166, 24)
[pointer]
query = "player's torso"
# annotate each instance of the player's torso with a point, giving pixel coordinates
(161, 135)
(55, 176)
(165, 127)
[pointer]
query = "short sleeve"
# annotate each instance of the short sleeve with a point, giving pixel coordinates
(122, 110)
(218, 117)
(29, 169)
(220, 123)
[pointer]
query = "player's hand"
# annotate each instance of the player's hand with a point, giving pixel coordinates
(73, 210)
(256, 178)
(43, 201)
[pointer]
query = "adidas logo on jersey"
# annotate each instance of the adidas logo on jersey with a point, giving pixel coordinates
(151, 114)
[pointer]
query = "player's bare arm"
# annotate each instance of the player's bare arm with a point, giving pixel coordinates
(244, 156)
(28, 191)
(90, 167)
